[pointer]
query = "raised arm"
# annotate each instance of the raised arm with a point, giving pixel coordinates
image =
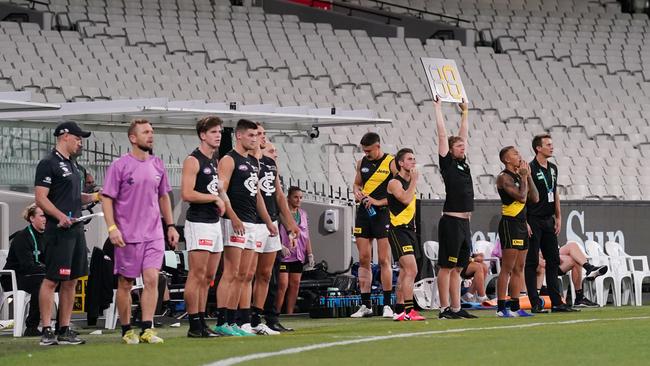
(463, 132)
(443, 143)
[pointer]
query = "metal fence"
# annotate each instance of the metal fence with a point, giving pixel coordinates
(21, 172)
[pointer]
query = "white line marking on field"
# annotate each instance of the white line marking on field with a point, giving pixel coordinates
(290, 351)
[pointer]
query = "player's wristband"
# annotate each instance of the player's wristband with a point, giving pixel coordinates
(112, 228)
(465, 112)
(96, 197)
(167, 226)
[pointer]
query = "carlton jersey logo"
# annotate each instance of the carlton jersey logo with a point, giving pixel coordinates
(267, 183)
(213, 186)
(251, 184)
(243, 167)
(207, 171)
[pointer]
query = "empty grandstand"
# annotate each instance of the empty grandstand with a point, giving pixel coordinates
(574, 68)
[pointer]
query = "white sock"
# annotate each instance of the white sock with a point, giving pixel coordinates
(455, 310)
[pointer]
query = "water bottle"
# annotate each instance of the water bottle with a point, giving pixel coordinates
(371, 209)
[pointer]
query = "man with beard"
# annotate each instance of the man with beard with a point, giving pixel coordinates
(136, 191)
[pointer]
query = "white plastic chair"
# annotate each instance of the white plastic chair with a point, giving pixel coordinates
(485, 247)
(111, 314)
(431, 251)
(425, 291)
(602, 284)
(638, 276)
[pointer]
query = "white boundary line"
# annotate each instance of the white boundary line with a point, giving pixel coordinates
(290, 351)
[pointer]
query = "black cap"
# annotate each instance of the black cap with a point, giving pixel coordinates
(72, 128)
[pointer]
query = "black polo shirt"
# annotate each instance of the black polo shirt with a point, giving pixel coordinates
(546, 182)
(64, 180)
(458, 184)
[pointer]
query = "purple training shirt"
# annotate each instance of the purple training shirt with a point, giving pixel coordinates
(135, 187)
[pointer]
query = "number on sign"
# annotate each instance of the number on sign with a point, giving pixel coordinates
(445, 82)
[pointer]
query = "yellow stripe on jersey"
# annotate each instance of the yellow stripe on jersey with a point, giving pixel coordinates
(512, 209)
(406, 216)
(379, 176)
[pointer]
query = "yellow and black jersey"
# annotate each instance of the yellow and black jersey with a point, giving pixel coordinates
(401, 215)
(375, 175)
(510, 207)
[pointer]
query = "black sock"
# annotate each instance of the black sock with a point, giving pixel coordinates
(243, 316)
(204, 324)
(221, 316)
(195, 321)
(256, 317)
(501, 305)
(146, 325)
(579, 295)
(388, 297)
(408, 306)
(588, 266)
(62, 330)
(231, 315)
(514, 304)
(125, 328)
(365, 299)
(399, 308)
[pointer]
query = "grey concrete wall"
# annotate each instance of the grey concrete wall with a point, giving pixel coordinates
(335, 248)
(600, 221)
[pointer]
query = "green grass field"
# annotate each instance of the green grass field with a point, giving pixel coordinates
(592, 336)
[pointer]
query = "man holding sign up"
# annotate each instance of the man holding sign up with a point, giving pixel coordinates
(453, 229)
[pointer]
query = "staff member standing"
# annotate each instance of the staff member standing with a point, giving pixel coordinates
(544, 224)
(454, 233)
(58, 185)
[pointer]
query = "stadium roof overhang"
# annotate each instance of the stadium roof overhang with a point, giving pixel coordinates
(180, 116)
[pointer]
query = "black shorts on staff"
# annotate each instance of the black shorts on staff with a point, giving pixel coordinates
(291, 267)
(455, 242)
(375, 227)
(66, 255)
(513, 234)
